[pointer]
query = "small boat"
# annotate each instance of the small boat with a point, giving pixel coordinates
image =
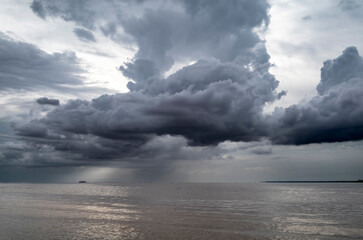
(82, 182)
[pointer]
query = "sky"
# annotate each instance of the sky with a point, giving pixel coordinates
(180, 91)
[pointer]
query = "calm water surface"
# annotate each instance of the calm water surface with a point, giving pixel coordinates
(182, 211)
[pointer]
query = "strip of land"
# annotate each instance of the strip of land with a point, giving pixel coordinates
(356, 181)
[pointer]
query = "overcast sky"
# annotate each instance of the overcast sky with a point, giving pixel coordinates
(195, 91)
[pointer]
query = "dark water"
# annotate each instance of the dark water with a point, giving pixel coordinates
(181, 211)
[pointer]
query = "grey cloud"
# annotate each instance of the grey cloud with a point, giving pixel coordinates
(24, 66)
(334, 115)
(219, 98)
(216, 99)
(48, 101)
(34, 129)
(38, 9)
(348, 5)
(261, 150)
(307, 18)
(109, 29)
(81, 12)
(149, 157)
(197, 30)
(347, 66)
(140, 70)
(184, 117)
(91, 14)
(84, 35)
(207, 103)
(170, 31)
(198, 76)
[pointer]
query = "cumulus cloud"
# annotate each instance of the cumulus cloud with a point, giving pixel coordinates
(24, 66)
(207, 103)
(334, 72)
(193, 108)
(196, 30)
(218, 98)
(170, 31)
(185, 115)
(47, 101)
(335, 114)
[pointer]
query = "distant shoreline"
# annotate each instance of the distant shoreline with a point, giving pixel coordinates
(357, 181)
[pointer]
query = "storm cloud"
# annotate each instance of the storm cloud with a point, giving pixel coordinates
(218, 96)
(220, 102)
(204, 111)
(335, 114)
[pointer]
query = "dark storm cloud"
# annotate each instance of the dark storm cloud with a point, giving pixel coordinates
(340, 70)
(183, 120)
(187, 114)
(97, 151)
(334, 115)
(195, 102)
(84, 35)
(207, 103)
(24, 66)
(218, 98)
(47, 101)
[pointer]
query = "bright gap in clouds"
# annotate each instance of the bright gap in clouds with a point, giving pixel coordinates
(100, 59)
(301, 36)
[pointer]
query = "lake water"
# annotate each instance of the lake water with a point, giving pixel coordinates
(182, 211)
